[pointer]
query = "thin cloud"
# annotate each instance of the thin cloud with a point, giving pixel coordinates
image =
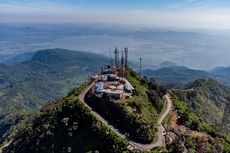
(185, 4)
(197, 17)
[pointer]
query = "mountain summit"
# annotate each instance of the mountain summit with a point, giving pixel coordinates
(48, 75)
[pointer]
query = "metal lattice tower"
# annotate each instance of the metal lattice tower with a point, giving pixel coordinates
(122, 59)
(116, 57)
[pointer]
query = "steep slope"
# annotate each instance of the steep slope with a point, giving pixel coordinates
(47, 76)
(65, 126)
(60, 126)
(175, 76)
(191, 133)
(207, 98)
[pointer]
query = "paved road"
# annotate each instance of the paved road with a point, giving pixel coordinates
(135, 145)
(5, 145)
(160, 142)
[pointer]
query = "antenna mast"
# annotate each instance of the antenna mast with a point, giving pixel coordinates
(116, 61)
(140, 65)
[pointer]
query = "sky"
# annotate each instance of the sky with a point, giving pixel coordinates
(192, 14)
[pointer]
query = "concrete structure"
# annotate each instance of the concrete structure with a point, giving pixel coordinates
(114, 94)
(111, 85)
(113, 82)
(98, 87)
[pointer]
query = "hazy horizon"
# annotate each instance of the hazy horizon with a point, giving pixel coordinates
(193, 33)
(192, 49)
(185, 14)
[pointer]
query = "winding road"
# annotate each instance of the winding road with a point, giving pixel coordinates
(5, 145)
(160, 141)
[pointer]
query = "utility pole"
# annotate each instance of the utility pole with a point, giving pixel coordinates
(140, 65)
(126, 56)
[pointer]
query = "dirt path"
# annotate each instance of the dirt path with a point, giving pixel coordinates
(143, 147)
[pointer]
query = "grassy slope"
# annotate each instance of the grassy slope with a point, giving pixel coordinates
(148, 112)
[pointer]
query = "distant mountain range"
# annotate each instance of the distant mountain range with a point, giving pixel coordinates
(15, 58)
(193, 49)
(221, 71)
(176, 76)
(167, 64)
(46, 76)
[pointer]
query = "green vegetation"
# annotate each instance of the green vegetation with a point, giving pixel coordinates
(213, 142)
(65, 126)
(207, 99)
(199, 144)
(190, 119)
(136, 116)
(47, 76)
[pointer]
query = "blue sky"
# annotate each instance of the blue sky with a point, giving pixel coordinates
(209, 14)
(127, 4)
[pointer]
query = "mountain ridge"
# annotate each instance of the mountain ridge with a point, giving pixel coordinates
(26, 86)
(221, 71)
(174, 76)
(207, 98)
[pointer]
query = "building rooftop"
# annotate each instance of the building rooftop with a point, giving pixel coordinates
(112, 85)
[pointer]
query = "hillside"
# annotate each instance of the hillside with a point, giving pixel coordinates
(15, 58)
(65, 126)
(137, 115)
(207, 98)
(174, 76)
(68, 125)
(48, 75)
(189, 132)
